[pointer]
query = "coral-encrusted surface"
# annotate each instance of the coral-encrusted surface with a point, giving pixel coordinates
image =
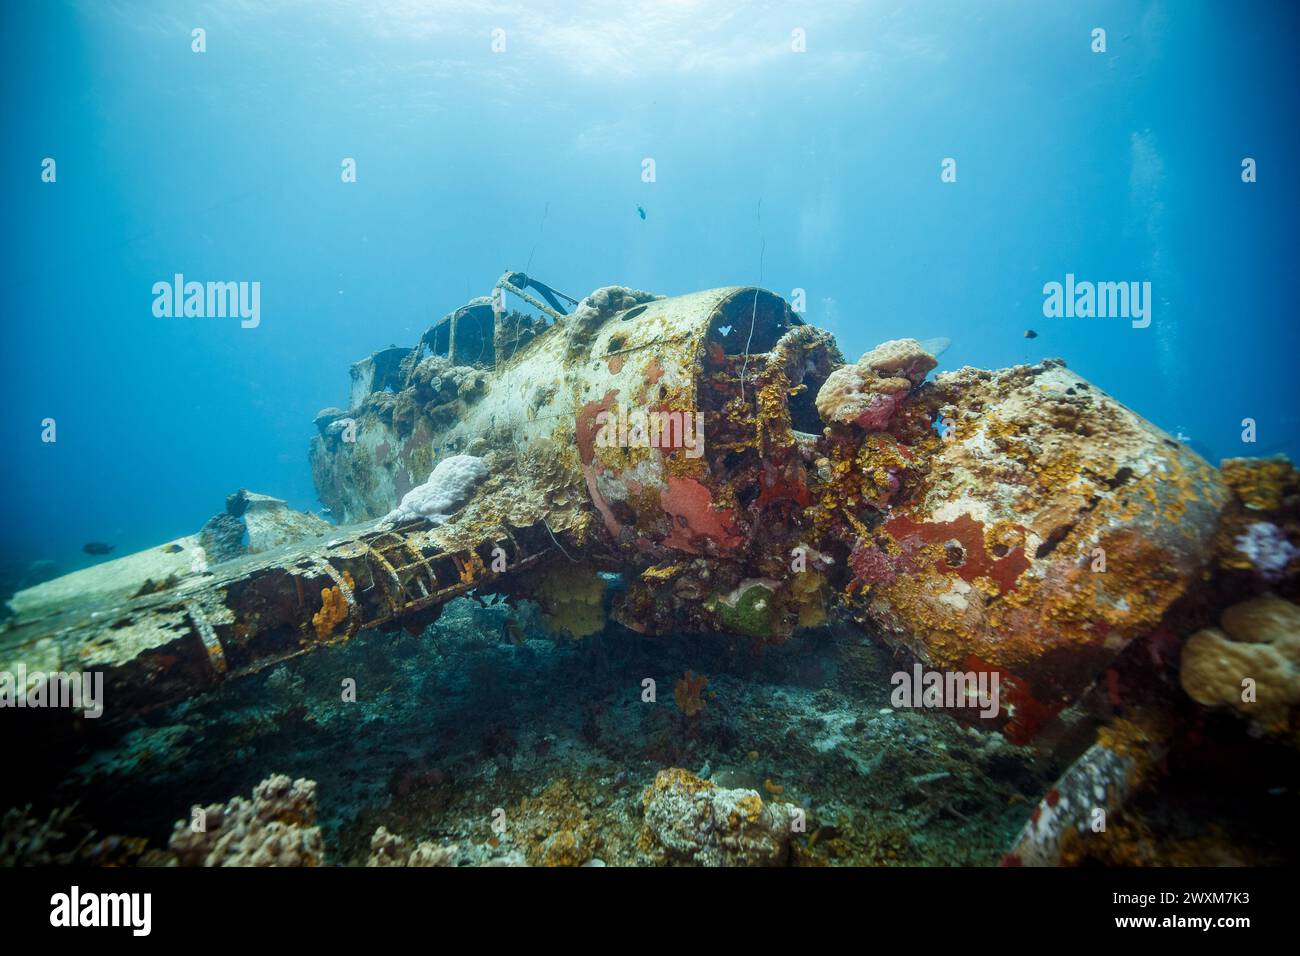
(1252, 665)
(869, 393)
(276, 828)
(1259, 540)
(1017, 523)
(389, 849)
(689, 820)
(1052, 526)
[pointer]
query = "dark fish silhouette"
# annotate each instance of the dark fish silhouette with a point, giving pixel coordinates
(1030, 334)
(97, 547)
(640, 212)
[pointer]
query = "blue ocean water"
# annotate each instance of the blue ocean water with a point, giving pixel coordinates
(817, 170)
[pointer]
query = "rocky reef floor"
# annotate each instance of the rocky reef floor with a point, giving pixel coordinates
(488, 735)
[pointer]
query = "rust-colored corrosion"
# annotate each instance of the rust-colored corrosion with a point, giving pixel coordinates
(251, 613)
(790, 484)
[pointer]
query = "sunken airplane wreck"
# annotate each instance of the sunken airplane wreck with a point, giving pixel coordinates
(1018, 524)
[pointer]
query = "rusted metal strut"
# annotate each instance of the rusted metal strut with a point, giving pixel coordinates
(255, 612)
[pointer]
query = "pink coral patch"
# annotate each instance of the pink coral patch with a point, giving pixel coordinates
(690, 505)
(880, 409)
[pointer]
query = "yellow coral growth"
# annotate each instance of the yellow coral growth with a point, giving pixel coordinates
(661, 573)
(672, 778)
(809, 594)
(560, 827)
(1262, 484)
(878, 460)
(470, 568)
(750, 806)
(573, 598)
(334, 608)
(1132, 842)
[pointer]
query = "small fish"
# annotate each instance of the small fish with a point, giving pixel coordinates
(169, 548)
(97, 547)
(1030, 334)
(640, 212)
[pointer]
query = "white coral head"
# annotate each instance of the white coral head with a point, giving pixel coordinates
(1268, 549)
(450, 485)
